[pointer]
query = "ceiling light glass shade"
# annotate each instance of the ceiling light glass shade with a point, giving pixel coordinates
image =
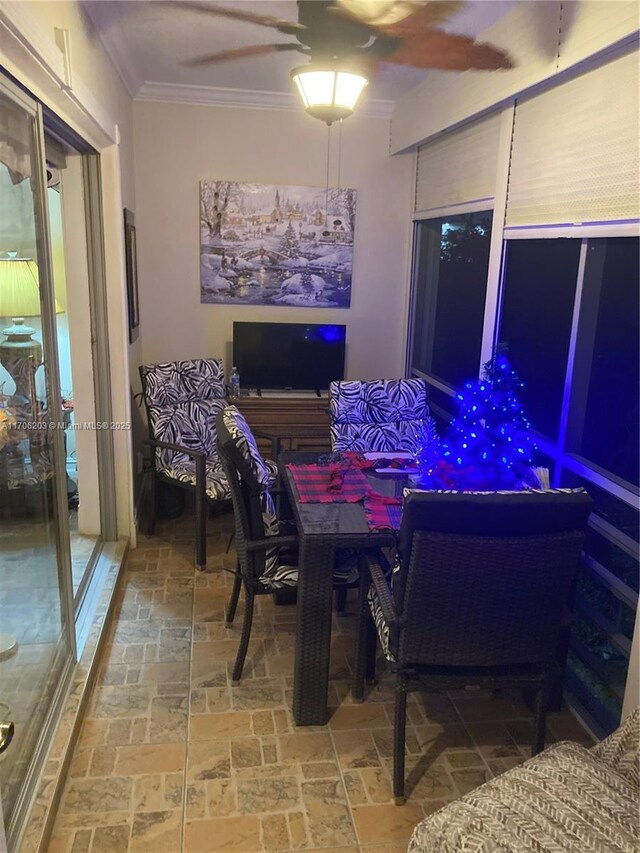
(379, 12)
(329, 94)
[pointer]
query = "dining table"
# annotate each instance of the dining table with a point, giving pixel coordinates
(323, 527)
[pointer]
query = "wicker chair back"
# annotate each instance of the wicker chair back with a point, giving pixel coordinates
(483, 580)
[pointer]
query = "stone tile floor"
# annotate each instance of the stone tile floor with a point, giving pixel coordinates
(174, 758)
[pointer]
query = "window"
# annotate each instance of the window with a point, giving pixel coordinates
(603, 426)
(449, 296)
(589, 433)
(537, 310)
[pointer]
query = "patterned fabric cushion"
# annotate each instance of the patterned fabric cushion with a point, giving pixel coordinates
(182, 381)
(621, 750)
(184, 471)
(381, 416)
(281, 569)
(379, 621)
(577, 491)
(246, 443)
(566, 800)
(191, 425)
(278, 571)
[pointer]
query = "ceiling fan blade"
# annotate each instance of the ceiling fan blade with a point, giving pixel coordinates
(446, 51)
(241, 53)
(287, 27)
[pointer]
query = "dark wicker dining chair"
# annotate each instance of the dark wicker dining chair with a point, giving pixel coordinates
(267, 553)
(477, 597)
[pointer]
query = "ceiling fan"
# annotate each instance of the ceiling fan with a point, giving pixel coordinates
(348, 40)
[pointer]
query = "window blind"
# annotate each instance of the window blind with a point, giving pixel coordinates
(458, 167)
(574, 156)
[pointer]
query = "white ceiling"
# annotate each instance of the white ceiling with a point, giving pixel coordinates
(148, 41)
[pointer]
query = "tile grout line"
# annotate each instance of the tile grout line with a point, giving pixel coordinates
(183, 823)
(344, 786)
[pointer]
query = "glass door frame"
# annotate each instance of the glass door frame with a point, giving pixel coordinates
(96, 276)
(63, 555)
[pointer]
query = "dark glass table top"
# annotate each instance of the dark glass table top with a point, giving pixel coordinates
(341, 519)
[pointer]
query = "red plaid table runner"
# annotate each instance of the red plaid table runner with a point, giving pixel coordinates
(359, 460)
(337, 484)
(383, 512)
(329, 483)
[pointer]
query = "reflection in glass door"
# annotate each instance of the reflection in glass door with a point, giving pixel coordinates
(36, 631)
(67, 225)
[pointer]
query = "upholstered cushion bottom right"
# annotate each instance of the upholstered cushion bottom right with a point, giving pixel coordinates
(565, 800)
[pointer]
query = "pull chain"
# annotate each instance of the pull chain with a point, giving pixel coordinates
(326, 186)
(339, 151)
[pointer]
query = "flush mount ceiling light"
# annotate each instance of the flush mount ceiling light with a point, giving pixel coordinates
(328, 91)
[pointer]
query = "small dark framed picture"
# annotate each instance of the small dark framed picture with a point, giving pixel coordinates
(132, 273)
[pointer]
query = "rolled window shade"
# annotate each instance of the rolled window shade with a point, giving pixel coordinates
(458, 167)
(574, 156)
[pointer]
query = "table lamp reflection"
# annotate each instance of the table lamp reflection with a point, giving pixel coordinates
(20, 354)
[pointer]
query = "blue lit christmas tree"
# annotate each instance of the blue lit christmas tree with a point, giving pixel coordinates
(490, 443)
(427, 452)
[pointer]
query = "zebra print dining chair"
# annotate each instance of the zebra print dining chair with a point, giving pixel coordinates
(382, 415)
(267, 547)
(182, 400)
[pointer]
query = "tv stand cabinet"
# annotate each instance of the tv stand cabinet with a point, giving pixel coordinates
(291, 423)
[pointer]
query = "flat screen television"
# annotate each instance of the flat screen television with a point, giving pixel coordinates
(296, 356)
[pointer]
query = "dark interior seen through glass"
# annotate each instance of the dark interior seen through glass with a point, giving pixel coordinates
(451, 285)
(537, 310)
(605, 395)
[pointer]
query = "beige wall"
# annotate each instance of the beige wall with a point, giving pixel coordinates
(177, 145)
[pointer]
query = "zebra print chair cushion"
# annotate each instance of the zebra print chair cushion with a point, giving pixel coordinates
(245, 441)
(280, 567)
(182, 381)
(379, 621)
(381, 416)
(567, 799)
(191, 425)
(279, 572)
(182, 400)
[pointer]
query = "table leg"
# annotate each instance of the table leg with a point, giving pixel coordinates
(313, 632)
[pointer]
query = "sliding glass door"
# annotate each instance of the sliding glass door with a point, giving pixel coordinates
(36, 614)
(67, 229)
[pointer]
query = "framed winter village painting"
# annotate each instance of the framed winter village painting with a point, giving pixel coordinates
(276, 245)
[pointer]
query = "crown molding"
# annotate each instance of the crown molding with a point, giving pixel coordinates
(217, 96)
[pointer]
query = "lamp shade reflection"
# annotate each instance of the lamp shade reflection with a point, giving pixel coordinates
(20, 354)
